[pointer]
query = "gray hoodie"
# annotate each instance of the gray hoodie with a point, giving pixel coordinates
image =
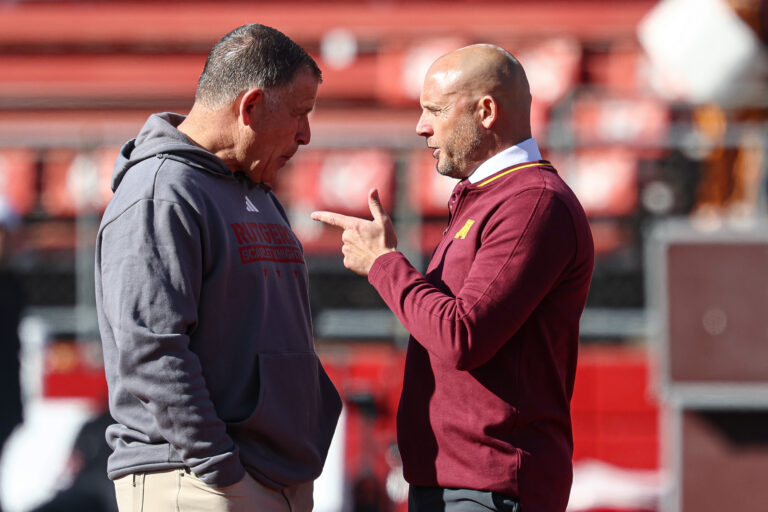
(203, 308)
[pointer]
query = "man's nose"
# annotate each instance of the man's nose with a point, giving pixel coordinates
(304, 133)
(423, 128)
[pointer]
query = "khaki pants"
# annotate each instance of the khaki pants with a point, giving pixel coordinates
(179, 490)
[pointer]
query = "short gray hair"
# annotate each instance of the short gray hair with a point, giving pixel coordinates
(250, 56)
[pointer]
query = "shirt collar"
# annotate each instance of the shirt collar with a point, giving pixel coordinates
(526, 151)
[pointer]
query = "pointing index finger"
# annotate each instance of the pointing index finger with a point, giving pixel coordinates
(333, 219)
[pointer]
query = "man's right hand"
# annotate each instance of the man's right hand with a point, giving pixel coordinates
(363, 240)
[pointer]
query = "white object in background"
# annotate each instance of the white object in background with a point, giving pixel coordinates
(329, 487)
(34, 457)
(33, 335)
(338, 48)
(701, 51)
(598, 485)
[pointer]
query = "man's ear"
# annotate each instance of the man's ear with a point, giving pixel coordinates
(488, 111)
(248, 105)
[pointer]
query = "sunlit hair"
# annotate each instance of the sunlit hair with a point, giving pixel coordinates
(250, 56)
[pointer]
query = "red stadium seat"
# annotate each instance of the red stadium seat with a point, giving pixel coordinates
(18, 169)
(604, 179)
(77, 181)
(627, 120)
(334, 180)
(428, 191)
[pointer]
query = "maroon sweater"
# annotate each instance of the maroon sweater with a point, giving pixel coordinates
(494, 330)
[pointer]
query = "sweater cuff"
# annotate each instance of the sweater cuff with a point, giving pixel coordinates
(380, 264)
(221, 471)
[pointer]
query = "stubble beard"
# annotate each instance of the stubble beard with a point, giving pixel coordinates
(458, 151)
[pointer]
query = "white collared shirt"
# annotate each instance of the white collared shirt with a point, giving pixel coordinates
(526, 151)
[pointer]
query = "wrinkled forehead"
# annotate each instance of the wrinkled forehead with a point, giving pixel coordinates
(301, 90)
(441, 82)
(444, 76)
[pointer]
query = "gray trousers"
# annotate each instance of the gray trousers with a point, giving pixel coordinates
(440, 499)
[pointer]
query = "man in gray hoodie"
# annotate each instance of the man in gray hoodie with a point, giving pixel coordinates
(219, 399)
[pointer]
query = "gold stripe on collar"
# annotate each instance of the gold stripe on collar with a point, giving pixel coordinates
(513, 169)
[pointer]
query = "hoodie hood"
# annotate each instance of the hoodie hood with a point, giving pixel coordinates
(160, 136)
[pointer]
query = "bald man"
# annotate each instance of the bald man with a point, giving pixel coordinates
(484, 417)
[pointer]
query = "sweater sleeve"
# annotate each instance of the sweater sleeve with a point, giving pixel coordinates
(524, 248)
(151, 264)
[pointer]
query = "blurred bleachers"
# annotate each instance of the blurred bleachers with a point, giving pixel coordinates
(77, 79)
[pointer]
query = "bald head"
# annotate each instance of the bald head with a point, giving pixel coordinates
(475, 103)
(485, 69)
